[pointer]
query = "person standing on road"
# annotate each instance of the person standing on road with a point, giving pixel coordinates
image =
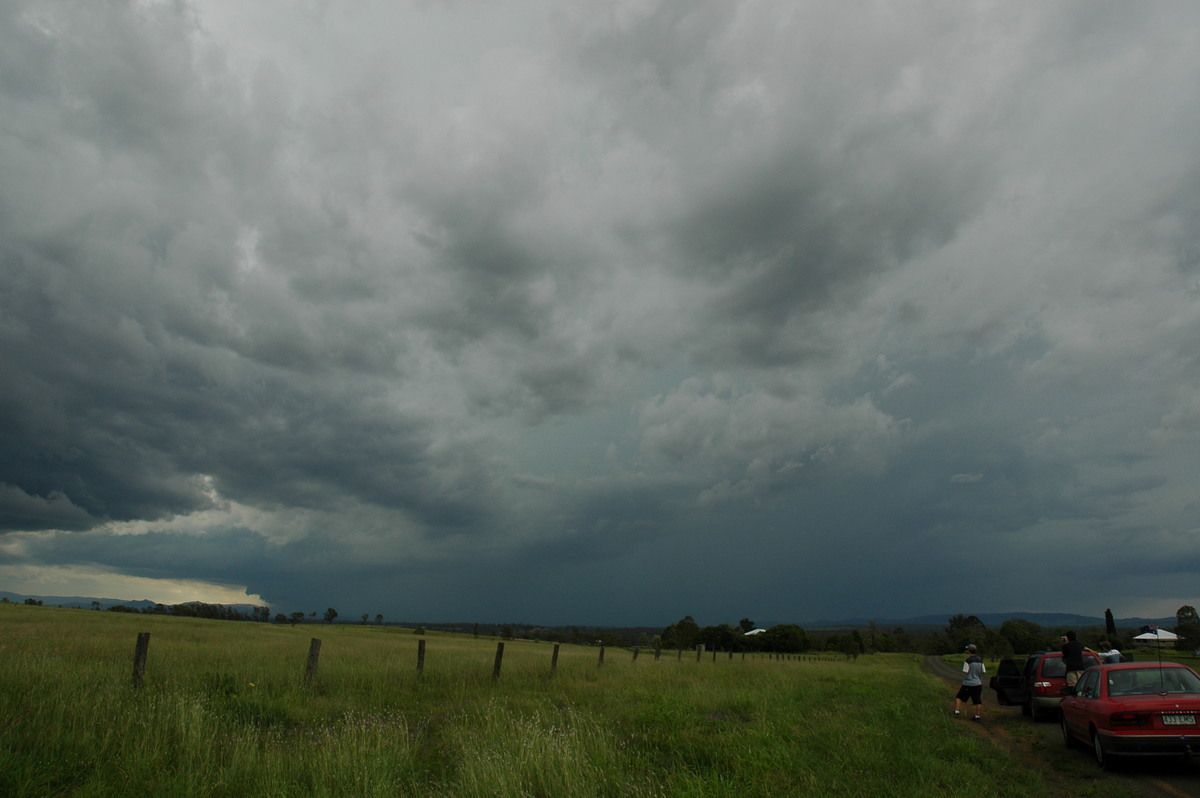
(1072, 654)
(972, 684)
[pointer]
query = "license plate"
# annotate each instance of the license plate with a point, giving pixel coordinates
(1179, 720)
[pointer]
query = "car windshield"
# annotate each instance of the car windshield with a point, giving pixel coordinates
(1151, 680)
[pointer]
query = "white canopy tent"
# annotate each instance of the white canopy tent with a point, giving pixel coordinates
(1158, 636)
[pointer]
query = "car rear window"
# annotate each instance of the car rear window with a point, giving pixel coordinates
(1053, 668)
(1147, 681)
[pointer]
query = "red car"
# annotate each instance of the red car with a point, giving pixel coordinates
(1134, 708)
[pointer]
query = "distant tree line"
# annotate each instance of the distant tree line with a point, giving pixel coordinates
(198, 609)
(785, 638)
(1013, 636)
(1021, 636)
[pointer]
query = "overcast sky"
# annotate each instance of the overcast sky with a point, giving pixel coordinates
(602, 312)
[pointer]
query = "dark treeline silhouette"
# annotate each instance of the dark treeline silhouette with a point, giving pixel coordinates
(1012, 636)
(198, 609)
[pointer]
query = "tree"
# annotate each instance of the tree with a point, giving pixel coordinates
(684, 633)
(1110, 626)
(297, 617)
(787, 638)
(1187, 623)
(720, 638)
(871, 641)
(745, 624)
(379, 619)
(1023, 635)
(365, 616)
(330, 614)
(961, 630)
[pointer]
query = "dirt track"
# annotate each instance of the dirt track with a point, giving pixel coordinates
(1069, 772)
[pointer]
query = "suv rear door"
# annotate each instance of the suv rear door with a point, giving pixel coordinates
(1009, 683)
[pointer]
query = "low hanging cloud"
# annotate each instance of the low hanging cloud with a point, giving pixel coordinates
(383, 300)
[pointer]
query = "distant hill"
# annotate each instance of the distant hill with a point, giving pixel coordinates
(88, 602)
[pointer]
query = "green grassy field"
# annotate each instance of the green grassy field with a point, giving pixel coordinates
(224, 711)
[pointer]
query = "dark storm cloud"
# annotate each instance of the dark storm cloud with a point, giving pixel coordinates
(145, 358)
(392, 304)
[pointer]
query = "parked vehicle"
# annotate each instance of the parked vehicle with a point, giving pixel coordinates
(1134, 709)
(1036, 686)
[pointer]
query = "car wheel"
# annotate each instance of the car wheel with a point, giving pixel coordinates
(1103, 758)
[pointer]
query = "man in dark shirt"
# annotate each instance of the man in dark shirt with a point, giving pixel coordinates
(1072, 654)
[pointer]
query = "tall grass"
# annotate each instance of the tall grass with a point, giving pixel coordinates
(224, 711)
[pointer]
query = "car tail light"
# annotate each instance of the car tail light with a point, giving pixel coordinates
(1043, 687)
(1129, 718)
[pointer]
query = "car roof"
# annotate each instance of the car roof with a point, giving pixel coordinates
(1133, 666)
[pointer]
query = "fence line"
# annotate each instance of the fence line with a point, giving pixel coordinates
(142, 648)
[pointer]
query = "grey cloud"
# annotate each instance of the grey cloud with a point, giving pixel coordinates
(584, 292)
(54, 511)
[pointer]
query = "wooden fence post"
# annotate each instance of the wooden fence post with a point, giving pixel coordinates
(714, 655)
(601, 662)
(499, 659)
(554, 660)
(636, 649)
(699, 652)
(420, 657)
(139, 658)
(314, 656)
(657, 652)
